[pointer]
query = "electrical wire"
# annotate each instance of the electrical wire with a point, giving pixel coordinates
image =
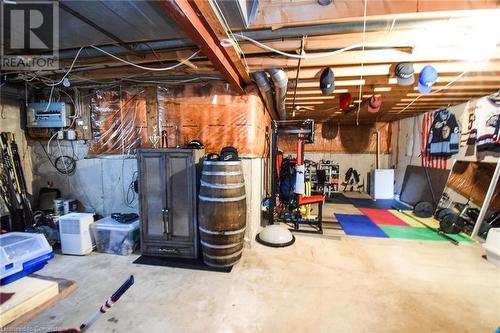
(69, 70)
(144, 67)
(362, 64)
(69, 167)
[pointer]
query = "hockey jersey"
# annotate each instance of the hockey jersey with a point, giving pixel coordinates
(444, 135)
(485, 128)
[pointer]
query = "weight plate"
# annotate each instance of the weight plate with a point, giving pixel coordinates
(423, 209)
(452, 224)
(443, 212)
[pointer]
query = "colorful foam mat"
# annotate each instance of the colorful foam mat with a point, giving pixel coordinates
(409, 218)
(384, 223)
(419, 233)
(383, 217)
(359, 225)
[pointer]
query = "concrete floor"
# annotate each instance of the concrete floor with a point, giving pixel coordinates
(316, 285)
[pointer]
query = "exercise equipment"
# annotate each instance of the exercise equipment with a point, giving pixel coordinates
(352, 179)
(492, 222)
(438, 231)
(423, 209)
(452, 224)
(290, 186)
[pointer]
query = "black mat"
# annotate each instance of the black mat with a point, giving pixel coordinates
(196, 264)
(379, 203)
(338, 198)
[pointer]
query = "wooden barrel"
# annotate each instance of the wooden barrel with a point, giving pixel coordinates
(222, 212)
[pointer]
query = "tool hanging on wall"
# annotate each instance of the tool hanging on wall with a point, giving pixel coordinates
(16, 182)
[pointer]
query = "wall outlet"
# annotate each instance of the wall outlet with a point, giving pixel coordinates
(71, 135)
(60, 135)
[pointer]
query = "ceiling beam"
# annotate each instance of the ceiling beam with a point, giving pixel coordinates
(205, 31)
(367, 57)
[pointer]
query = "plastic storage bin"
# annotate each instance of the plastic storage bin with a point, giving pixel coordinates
(111, 236)
(21, 254)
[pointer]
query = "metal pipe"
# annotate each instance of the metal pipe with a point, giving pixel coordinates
(280, 81)
(342, 27)
(266, 90)
(264, 34)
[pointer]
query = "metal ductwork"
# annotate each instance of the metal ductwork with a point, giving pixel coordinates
(266, 90)
(280, 81)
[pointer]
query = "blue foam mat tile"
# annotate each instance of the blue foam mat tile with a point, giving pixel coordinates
(359, 225)
(379, 203)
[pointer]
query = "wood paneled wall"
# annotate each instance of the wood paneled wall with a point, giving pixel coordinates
(351, 139)
(214, 114)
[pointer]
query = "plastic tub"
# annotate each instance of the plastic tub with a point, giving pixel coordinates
(22, 253)
(111, 236)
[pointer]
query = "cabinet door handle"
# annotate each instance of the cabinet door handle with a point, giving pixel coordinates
(165, 221)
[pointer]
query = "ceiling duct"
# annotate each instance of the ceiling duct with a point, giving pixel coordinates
(239, 14)
(266, 90)
(280, 81)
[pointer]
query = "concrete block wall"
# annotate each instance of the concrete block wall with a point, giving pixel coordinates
(99, 184)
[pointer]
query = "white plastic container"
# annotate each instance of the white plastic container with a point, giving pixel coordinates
(22, 253)
(492, 246)
(113, 237)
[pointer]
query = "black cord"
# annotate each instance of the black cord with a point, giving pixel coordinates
(68, 163)
(130, 197)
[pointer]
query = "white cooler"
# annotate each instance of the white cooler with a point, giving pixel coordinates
(492, 246)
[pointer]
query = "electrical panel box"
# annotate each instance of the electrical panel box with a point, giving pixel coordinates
(48, 115)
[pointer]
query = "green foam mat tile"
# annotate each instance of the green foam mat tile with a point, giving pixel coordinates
(418, 234)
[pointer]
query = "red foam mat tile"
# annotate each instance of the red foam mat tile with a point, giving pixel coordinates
(383, 217)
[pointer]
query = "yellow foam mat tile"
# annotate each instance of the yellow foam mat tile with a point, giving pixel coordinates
(430, 221)
(330, 209)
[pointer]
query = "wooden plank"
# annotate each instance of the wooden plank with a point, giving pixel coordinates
(65, 287)
(200, 31)
(29, 293)
(152, 111)
(211, 17)
(368, 57)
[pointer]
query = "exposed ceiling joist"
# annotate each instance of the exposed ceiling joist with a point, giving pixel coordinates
(198, 21)
(367, 57)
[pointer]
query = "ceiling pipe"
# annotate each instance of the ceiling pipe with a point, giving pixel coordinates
(263, 34)
(342, 27)
(280, 81)
(266, 90)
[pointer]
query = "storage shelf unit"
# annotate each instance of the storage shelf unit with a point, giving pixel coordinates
(167, 194)
(332, 177)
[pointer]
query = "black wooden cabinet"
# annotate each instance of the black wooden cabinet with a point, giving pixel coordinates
(167, 194)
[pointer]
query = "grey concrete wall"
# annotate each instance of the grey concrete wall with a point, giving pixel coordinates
(253, 171)
(99, 184)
